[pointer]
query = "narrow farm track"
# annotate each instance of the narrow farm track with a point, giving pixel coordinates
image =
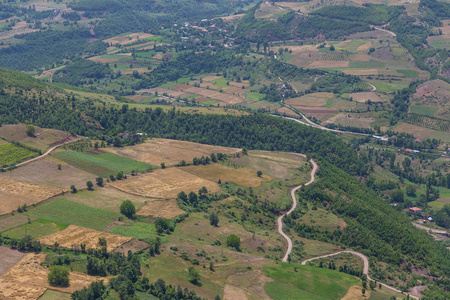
(365, 269)
(294, 205)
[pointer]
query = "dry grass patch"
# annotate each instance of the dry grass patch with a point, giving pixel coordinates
(61, 179)
(364, 96)
(328, 64)
(161, 209)
(232, 17)
(361, 72)
(227, 98)
(292, 5)
(360, 57)
(215, 172)
(171, 152)
(164, 183)
(355, 293)
(127, 39)
(232, 292)
(420, 132)
(27, 280)
(103, 60)
(350, 120)
(42, 139)
(314, 99)
(365, 47)
(76, 235)
(211, 78)
(15, 193)
(161, 91)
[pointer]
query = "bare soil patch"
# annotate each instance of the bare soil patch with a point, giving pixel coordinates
(14, 193)
(161, 209)
(328, 64)
(127, 39)
(417, 131)
(361, 72)
(76, 235)
(8, 258)
(365, 47)
(364, 96)
(355, 293)
(233, 17)
(161, 91)
(137, 98)
(211, 78)
(60, 179)
(171, 152)
(133, 246)
(232, 292)
(164, 184)
(319, 113)
(140, 71)
(240, 84)
(215, 172)
(292, 5)
(360, 57)
(227, 98)
(287, 111)
(27, 280)
(350, 120)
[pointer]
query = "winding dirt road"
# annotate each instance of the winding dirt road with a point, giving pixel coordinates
(365, 269)
(294, 205)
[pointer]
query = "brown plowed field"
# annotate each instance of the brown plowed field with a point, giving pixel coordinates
(76, 235)
(224, 97)
(313, 100)
(364, 96)
(164, 184)
(361, 72)
(328, 64)
(156, 151)
(14, 193)
(160, 209)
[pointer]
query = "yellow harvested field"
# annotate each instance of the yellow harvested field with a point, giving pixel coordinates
(215, 172)
(420, 132)
(364, 96)
(164, 184)
(355, 293)
(224, 97)
(211, 78)
(361, 72)
(27, 280)
(127, 39)
(76, 235)
(14, 193)
(365, 47)
(313, 100)
(156, 151)
(350, 120)
(328, 64)
(160, 209)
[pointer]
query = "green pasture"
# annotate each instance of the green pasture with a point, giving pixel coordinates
(423, 110)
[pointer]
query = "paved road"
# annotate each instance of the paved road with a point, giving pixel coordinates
(365, 269)
(294, 205)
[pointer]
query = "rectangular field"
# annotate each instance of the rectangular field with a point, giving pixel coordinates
(160, 209)
(103, 164)
(70, 213)
(156, 151)
(36, 229)
(164, 183)
(75, 235)
(11, 154)
(15, 193)
(138, 230)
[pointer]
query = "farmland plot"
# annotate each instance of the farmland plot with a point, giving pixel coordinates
(11, 154)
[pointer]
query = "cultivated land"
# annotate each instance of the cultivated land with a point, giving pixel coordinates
(73, 236)
(164, 183)
(15, 193)
(160, 209)
(171, 152)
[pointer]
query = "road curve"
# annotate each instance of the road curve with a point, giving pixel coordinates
(294, 205)
(365, 269)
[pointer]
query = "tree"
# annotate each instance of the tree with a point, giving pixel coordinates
(234, 241)
(332, 48)
(194, 276)
(193, 199)
(99, 181)
(59, 166)
(30, 130)
(128, 209)
(397, 196)
(73, 188)
(163, 165)
(89, 185)
(259, 173)
(58, 276)
(214, 219)
(411, 190)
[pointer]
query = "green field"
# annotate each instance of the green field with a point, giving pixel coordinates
(139, 230)
(282, 291)
(54, 295)
(423, 110)
(221, 82)
(371, 64)
(70, 213)
(103, 164)
(252, 96)
(324, 283)
(408, 73)
(36, 229)
(11, 154)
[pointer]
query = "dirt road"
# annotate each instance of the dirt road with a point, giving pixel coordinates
(294, 205)
(365, 269)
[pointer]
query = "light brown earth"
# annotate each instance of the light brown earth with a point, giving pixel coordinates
(161, 91)
(314, 99)
(128, 39)
(350, 120)
(61, 179)
(365, 47)
(292, 5)
(232, 292)
(14, 193)
(76, 235)
(227, 98)
(160, 209)
(361, 72)
(420, 132)
(171, 152)
(355, 293)
(8, 258)
(103, 60)
(328, 64)
(364, 96)
(27, 280)
(164, 184)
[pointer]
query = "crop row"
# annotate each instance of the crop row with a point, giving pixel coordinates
(11, 154)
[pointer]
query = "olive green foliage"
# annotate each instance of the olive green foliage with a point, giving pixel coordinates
(234, 241)
(58, 276)
(128, 209)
